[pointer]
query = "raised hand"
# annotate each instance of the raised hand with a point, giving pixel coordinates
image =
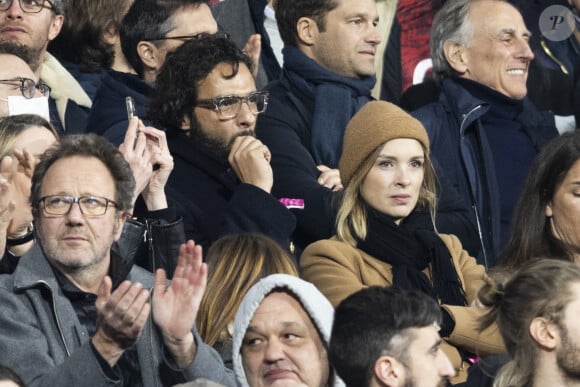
(134, 149)
(154, 192)
(252, 49)
(175, 306)
(7, 202)
(329, 178)
(250, 160)
(121, 316)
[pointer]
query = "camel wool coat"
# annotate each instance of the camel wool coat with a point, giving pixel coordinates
(339, 269)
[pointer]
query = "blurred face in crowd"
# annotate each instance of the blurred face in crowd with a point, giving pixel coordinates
(283, 347)
(564, 210)
(33, 30)
(499, 54)
(34, 140)
(348, 43)
(11, 70)
(213, 131)
(187, 22)
(393, 184)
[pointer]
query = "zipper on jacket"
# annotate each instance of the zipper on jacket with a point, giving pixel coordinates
(465, 116)
(148, 238)
(45, 284)
(553, 57)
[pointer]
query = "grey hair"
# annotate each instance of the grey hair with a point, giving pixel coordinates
(450, 23)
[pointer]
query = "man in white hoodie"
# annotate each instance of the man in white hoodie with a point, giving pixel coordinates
(281, 334)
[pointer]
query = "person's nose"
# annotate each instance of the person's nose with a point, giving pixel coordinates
(373, 35)
(75, 216)
(524, 50)
(403, 177)
(14, 11)
(445, 367)
(245, 117)
(274, 350)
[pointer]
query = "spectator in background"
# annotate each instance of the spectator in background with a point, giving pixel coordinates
(89, 42)
(536, 311)
(251, 24)
(386, 234)
(484, 132)
(235, 263)
(547, 217)
(281, 334)
(33, 25)
(150, 30)
(23, 139)
(222, 178)
(385, 336)
(20, 90)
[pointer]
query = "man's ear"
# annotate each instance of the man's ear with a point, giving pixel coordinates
(456, 56)
(55, 27)
(148, 53)
(389, 372)
(306, 31)
(545, 333)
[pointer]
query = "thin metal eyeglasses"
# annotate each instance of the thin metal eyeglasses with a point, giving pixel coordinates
(27, 86)
(228, 106)
(197, 36)
(60, 205)
(27, 6)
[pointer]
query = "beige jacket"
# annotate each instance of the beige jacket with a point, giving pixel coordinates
(338, 270)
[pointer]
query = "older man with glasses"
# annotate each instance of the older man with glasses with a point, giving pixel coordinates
(72, 313)
(32, 25)
(222, 179)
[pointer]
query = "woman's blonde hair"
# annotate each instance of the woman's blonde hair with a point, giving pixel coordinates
(351, 219)
(235, 263)
(12, 126)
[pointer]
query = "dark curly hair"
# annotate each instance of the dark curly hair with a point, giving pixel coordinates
(177, 82)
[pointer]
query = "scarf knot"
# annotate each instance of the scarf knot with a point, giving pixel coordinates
(411, 247)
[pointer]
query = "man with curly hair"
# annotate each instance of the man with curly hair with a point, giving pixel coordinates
(222, 179)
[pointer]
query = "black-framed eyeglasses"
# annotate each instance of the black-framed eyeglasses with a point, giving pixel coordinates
(27, 6)
(59, 205)
(200, 35)
(228, 106)
(27, 86)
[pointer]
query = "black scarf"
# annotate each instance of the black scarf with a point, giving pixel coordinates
(409, 248)
(336, 100)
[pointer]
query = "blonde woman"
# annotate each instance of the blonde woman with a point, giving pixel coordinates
(385, 233)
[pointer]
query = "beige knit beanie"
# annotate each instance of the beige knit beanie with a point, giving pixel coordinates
(375, 124)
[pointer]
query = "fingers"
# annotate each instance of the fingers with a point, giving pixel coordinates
(329, 178)
(245, 145)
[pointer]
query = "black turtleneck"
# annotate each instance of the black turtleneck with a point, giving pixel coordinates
(512, 149)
